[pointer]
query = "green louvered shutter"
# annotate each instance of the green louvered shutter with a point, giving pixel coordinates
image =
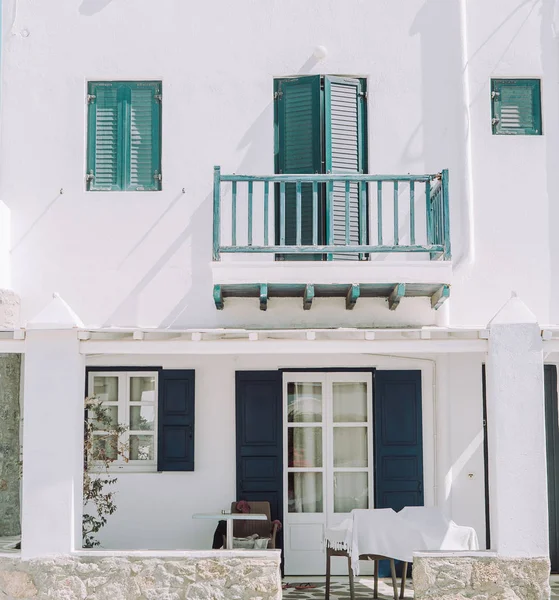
(143, 156)
(516, 106)
(124, 136)
(104, 137)
(298, 150)
(345, 153)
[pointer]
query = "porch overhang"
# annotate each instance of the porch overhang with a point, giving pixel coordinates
(351, 280)
(427, 340)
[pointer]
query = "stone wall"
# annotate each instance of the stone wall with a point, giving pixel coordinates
(217, 576)
(481, 577)
(10, 365)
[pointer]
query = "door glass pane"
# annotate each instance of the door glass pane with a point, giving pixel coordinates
(304, 402)
(106, 388)
(142, 389)
(108, 421)
(351, 490)
(350, 447)
(304, 492)
(104, 447)
(141, 447)
(350, 402)
(142, 418)
(304, 446)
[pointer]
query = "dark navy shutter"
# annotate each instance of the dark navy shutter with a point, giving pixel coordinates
(259, 438)
(298, 116)
(176, 421)
(552, 443)
(398, 439)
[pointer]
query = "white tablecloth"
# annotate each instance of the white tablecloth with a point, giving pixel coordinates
(398, 535)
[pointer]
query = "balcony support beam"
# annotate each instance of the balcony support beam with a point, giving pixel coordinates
(352, 295)
(308, 296)
(397, 294)
(263, 296)
(439, 297)
(218, 297)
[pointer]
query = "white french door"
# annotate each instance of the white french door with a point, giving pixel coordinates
(328, 441)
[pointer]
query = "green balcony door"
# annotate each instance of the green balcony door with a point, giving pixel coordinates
(320, 127)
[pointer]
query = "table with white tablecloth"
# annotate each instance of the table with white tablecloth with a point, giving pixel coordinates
(395, 535)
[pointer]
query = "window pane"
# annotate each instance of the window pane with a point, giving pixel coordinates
(304, 402)
(350, 447)
(305, 492)
(350, 402)
(142, 389)
(142, 418)
(141, 447)
(104, 447)
(351, 490)
(106, 388)
(305, 446)
(108, 421)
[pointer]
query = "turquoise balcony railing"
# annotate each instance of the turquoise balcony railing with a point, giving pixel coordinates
(329, 216)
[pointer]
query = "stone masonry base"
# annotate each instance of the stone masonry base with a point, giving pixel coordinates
(122, 576)
(485, 576)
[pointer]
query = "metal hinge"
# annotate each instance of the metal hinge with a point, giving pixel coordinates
(495, 94)
(90, 177)
(157, 176)
(494, 121)
(91, 98)
(363, 95)
(158, 97)
(278, 95)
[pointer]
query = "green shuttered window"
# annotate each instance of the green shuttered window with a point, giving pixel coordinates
(516, 107)
(321, 128)
(124, 136)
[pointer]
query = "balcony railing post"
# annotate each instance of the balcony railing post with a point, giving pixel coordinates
(428, 213)
(217, 213)
(446, 216)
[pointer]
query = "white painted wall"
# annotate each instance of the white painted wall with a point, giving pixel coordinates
(154, 509)
(144, 258)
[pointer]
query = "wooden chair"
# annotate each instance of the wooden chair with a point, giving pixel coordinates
(263, 529)
(330, 552)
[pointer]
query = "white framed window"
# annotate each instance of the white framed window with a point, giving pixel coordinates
(130, 398)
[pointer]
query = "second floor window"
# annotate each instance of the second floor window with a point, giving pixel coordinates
(124, 136)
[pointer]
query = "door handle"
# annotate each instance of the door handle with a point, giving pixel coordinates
(420, 486)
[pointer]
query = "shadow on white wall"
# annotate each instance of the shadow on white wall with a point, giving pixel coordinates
(91, 7)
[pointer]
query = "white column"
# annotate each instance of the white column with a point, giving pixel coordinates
(516, 433)
(53, 414)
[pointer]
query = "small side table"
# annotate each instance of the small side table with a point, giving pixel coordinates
(229, 518)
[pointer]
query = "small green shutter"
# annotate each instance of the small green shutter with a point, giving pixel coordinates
(124, 136)
(298, 148)
(516, 107)
(143, 163)
(344, 133)
(104, 137)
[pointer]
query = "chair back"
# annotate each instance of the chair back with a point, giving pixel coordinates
(248, 528)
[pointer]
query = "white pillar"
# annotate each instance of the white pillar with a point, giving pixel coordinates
(516, 433)
(53, 411)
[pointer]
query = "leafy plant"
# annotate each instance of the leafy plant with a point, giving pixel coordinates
(102, 446)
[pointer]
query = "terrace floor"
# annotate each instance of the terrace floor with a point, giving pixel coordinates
(339, 589)
(363, 589)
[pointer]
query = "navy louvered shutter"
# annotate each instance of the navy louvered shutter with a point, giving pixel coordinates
(176, 421)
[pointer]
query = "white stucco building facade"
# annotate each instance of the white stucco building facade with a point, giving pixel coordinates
(184, 297)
